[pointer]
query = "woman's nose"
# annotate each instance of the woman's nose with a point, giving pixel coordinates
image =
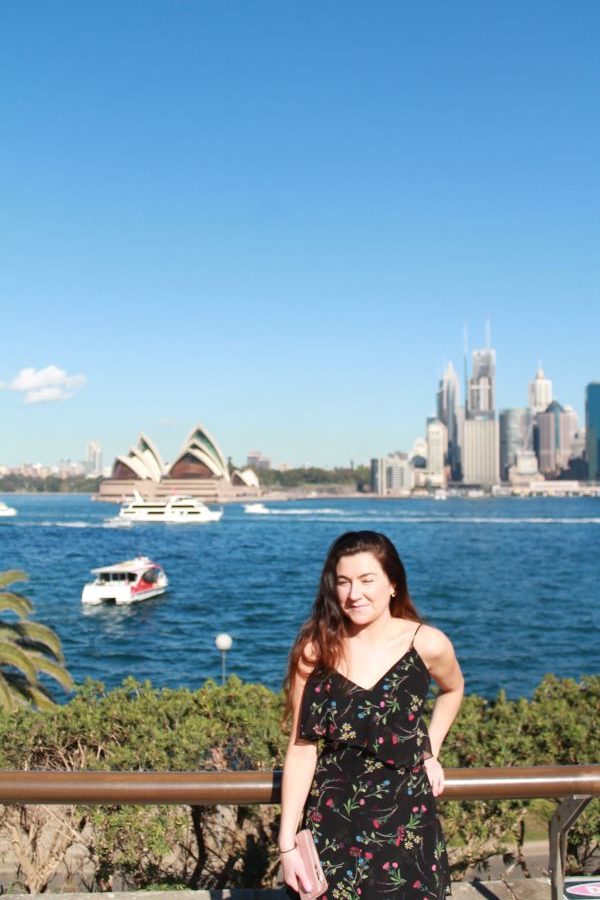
(355, 590)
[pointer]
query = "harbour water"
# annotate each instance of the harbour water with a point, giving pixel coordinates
(514, 583)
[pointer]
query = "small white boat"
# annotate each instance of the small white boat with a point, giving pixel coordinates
(256, 509)
(475, 493)
(7, 511)
(126, 582)
(172, 510)
(440, 494)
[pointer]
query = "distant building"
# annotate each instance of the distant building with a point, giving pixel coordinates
(481, 457)
(142, 463)
(555, 435)
(450, 412)
(245, 478)
(578, 444)
(482, 385)
(68, 468)
(256, 460)
(481, 445)
(93, 458)
(392, 474)
(419, 450)
(592, 429)
(437, 447)
(540, 392)
(515, 436)
(525, 470)
(200, 470)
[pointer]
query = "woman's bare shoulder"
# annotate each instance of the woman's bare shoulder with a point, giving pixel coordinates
(432, 644)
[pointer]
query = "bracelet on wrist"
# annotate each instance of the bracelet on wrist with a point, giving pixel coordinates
(281, 852)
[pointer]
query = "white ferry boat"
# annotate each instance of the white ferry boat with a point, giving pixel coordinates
(256, 509)
(176, 509)
(126, 582)
(7, 511)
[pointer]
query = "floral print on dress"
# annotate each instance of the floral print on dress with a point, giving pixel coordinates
(370, 806)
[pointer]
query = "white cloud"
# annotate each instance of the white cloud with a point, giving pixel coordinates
(46, 385)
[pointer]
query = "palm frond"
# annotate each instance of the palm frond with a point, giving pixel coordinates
(27, 649)
(56, 671)
(38, 636)
(15, 602)
(10, 575)
(12, 655)
(7, 702)
(26, 693)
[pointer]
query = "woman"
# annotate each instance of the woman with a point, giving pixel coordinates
(358, 677)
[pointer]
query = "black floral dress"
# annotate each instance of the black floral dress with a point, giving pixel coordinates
(370, 807)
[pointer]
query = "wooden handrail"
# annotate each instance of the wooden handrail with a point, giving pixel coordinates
(574, 785)
(210, 788)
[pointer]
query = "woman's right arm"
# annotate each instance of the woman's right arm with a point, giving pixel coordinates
(298, 771)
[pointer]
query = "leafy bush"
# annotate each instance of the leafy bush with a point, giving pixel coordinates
(237, 726)
(556, 727)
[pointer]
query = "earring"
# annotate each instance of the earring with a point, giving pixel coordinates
(393, 594)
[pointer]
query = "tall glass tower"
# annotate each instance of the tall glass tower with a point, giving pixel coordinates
(482, 385)
(481, 445)
(515, 436)
(448, 412)
(592, 429)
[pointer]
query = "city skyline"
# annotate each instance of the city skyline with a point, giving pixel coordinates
(94, 448)
(277, 222)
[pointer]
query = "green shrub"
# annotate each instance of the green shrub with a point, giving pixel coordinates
(237, 726)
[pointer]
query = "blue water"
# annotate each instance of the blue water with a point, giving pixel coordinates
(514, 583)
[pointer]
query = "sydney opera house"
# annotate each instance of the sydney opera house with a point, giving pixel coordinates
(200, 470)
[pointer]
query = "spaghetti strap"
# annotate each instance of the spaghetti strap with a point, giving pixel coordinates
(412, 643)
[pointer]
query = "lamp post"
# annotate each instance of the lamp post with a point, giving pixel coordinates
(223, 642)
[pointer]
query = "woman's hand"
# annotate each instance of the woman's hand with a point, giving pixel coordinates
(294, 872)
(435, 773)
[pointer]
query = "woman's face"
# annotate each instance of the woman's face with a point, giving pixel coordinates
(363, 589)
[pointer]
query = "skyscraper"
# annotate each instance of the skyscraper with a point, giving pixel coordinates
(592, 429)
(437, 446)
(481, 451)
(555, 435)
(450, 413)
(515, 436)
(540, 392)
(93, 459)
(392, 474)
(481, 402)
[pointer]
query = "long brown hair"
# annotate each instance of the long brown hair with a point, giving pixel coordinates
(324, 630)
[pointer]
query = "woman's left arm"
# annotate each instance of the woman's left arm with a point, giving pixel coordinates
(438, 653)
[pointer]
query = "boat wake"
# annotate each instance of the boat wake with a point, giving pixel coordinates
(259, 509)
(318, 515)
(74, 524)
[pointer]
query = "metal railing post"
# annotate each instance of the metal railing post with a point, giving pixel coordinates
(566, 814)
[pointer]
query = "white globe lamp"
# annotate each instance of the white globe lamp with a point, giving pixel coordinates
(223, 642)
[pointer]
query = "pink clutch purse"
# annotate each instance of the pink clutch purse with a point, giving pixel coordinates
(312, 865)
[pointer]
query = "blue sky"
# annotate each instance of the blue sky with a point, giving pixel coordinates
(275, 218)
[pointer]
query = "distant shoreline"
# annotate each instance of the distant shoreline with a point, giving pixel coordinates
(296, 495)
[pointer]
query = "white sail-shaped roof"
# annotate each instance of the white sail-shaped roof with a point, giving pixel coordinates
(143, 461)
(247, 477)
(201, 446)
